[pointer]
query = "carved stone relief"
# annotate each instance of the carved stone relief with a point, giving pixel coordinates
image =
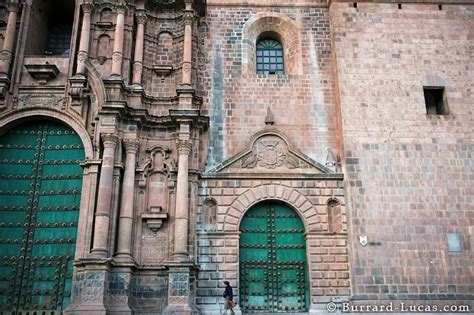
(48, 100)
(269, 152)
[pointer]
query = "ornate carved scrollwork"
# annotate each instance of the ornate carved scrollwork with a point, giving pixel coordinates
(87, 7)
(188, 17)
(131, 145)
(269, 152)
(117, 56)
(184, 146)
(109, 140)
(141, 17)
(154, 178)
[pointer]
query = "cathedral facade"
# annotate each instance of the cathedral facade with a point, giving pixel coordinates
(315, 154)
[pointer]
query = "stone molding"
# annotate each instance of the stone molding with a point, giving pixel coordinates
(16, 116)
(292, 197)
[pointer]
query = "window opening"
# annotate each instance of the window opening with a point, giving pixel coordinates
(270, 57)
(51, 28)
(435, 101)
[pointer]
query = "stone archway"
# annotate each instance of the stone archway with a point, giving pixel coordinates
(18, 117)
(272, 260)
(288, 195)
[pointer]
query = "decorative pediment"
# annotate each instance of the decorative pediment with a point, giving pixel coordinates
(270, 152)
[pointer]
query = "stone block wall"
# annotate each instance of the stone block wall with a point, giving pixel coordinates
(408, 174)
(149, 292)
(236, 98)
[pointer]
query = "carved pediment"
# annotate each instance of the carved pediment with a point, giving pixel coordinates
(270, 152)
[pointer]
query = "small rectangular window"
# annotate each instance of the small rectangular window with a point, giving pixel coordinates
(435, 100)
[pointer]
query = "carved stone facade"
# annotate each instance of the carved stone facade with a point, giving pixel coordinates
(182, 137)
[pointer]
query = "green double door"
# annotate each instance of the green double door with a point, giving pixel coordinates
(273, 268)
(40, 186)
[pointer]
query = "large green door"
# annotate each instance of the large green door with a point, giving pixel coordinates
(40, 186)
(273, 269)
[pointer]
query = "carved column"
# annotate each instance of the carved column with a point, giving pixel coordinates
(104, 198)
(7, 51)
(117, 55)
(188, 46)
(83, 53)
(182, 214)
(124, 245)
(138, 62)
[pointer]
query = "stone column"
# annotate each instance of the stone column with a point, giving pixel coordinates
(182, 214)
(104, 198)
(138, 62)
(83, 53)
(7, 51)
(188, 45)
(124, 245)
(117, 55)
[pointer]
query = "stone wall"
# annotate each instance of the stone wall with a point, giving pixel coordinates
(236, 98)
(408, 174)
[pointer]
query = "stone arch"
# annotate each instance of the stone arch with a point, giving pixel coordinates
(19, 116)
(99, 96)
(288, 195)
(284, 28)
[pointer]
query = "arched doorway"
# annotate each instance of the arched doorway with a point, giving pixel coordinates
(272, 257)
(40, 187)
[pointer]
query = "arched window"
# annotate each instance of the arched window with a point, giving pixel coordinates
(270, 56)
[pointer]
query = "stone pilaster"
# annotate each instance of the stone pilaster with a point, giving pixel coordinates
(188, 46)
(138, 62)
(183, 146)
(117, 55)
(83, 53)
(7, 51)
(124, 245)
(104, 198)
(180, 293)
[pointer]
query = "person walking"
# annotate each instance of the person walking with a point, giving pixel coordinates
(229, 296)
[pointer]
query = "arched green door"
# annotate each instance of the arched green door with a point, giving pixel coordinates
(273, 268)
(40, 186)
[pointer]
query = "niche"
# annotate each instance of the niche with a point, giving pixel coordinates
(157, 184)
(104, 49)
(334, 216)
(210, 212)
